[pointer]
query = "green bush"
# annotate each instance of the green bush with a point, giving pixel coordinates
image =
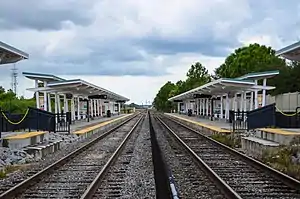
(227, 140)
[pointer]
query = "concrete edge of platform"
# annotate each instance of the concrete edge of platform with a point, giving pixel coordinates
(88, 131)
(203, 127)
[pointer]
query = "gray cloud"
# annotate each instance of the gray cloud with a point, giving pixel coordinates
(129, 55)
(43, 15)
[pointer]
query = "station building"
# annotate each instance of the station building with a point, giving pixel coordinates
(81, 98)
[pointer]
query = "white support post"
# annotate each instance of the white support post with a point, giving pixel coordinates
(245, 101)
(49, 102)
(207, 106)
(100, 102)
(37, 95)
(198, 107)
(227, 108)
(58, 103)
(45, 97)
(241, 101)
(235, 105)
(91, 108)
(66, 108)
(221, 113)
(73, 108)
(119, 108)
(264, 93)
(255, 97)
(78, 108)
(178, 107)
(251, 101)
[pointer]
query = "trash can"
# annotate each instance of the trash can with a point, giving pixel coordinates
(190, 112)
(108, 113)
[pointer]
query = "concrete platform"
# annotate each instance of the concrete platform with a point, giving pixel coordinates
(281, 136)
(42, 150)
(255, 147)
(92, 129)
(23, 139)
(84, 124)
(202, 124)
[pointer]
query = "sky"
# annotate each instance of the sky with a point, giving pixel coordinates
(133, 47)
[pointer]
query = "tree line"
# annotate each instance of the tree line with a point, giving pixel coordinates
(248, 59)
(12, 103)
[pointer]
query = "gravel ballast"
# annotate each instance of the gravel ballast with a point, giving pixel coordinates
(69, 144)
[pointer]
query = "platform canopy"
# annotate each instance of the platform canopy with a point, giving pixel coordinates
(291, 52)
(42, 77)
(229, 86)
(73, 86)
(9, 54)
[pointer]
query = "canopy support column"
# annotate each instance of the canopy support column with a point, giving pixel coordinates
(66, 107)
(207, 107)
(255, 97)
(49, 102)
(227, 107)
(264, 93)
(37, 95)
(221, 113)
(45, 97)
(251, 102)
(58, 103)
(73, 108)
(78, 108)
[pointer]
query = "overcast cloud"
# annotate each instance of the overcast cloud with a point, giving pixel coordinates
(138, 44)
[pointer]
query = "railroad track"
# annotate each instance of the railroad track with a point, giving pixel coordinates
(70, 176)
(190, 179)
(113, 180)
(236, 174)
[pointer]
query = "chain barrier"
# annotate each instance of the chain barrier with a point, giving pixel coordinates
(288, 115)
(16, 123)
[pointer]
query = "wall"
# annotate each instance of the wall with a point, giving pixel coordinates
(287, 102)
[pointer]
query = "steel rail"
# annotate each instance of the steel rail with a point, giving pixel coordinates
(92, 188)
(12, 192)
(224, 187)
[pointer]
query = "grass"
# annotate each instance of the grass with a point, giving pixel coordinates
(281, 159)
(10, 169)
(227, 140)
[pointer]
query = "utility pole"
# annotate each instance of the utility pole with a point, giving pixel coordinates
(14, 81)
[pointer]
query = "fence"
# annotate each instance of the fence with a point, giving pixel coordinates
(35, 119)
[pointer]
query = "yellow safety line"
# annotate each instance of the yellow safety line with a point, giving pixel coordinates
(16, 123)
(101, 124)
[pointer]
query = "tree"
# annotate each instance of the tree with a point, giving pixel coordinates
(252, 58)
(11, 103)
(161, 102)
(256, 58)
(197, 76)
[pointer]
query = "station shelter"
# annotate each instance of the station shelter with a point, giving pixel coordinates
(10, 54)
(215, 99)
(81, 98)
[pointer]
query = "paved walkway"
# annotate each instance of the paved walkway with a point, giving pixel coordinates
(219, 124)
(83, 124)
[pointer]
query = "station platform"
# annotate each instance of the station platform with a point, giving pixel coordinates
(84, 124)
(40, 139)
(204, 124)
(96, 126)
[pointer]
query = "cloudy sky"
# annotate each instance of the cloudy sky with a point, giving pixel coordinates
(132, 47)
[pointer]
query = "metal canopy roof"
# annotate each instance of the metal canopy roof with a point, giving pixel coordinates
(74, 86)
(222, 87)
(291, 52)
(259, 75)
(9, 54)
(42, 77)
